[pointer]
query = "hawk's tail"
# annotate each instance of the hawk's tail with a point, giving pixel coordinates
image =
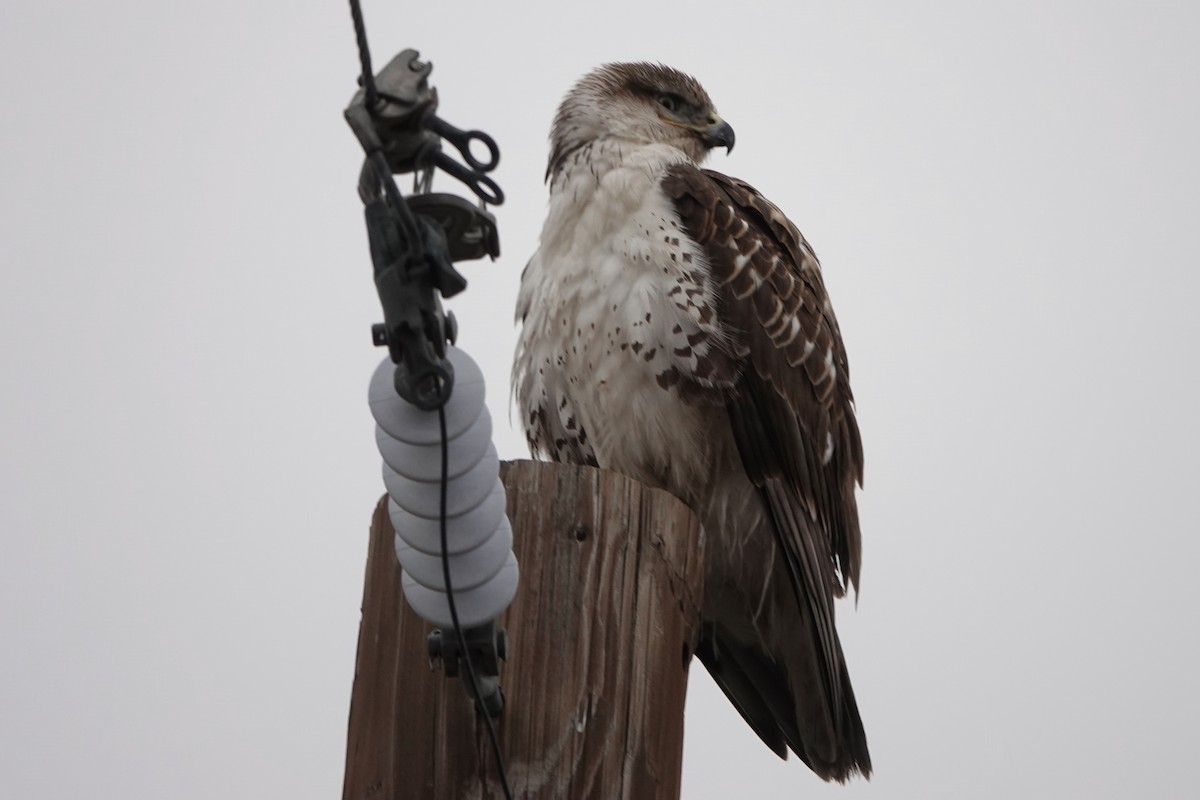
(781, 697)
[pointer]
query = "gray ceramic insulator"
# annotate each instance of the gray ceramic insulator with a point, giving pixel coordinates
(483, 570)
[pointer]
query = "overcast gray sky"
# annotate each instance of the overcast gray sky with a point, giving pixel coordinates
(1003, 196)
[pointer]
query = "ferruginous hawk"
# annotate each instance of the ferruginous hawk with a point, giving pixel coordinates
(676, 328)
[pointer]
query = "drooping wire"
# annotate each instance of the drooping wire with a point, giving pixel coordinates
(458, 631)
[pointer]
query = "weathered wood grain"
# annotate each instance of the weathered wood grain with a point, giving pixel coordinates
(601, 634)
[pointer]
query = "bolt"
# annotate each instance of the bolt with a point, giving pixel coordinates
(502, 644)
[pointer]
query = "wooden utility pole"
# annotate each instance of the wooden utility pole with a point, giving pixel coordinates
(601, 634)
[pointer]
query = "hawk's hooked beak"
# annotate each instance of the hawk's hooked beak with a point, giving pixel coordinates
(718, 134)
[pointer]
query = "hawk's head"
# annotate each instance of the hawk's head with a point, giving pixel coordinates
(641, 104)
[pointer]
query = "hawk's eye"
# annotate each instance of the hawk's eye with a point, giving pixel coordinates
(669, 102)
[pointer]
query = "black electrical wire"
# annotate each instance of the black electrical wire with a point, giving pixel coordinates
(364, 56)
(458, 631)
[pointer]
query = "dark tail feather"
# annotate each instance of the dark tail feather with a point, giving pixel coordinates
(824, 709)
(766, 697)
(753, 684)
(854, 738)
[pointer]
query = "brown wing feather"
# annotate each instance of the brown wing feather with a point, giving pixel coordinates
(792, 415)
(773, 298)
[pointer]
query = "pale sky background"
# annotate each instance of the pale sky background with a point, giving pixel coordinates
(1003, 196)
